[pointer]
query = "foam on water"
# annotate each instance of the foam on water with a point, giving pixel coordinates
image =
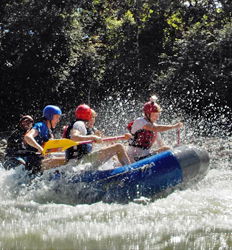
(199, 216)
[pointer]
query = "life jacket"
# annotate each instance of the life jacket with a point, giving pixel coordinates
(74, 152)
(89, 146)
(129, 127)
(45, 134)
(142, 138)
(15, 142)
(65, 131)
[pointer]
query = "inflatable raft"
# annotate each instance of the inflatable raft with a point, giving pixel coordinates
(145, 178)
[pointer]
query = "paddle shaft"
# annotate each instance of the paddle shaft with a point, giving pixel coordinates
(103, 139)
(59, 145)
(178, 135)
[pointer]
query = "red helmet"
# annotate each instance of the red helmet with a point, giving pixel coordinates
(83, 112)
(151, 106)
(25, 119)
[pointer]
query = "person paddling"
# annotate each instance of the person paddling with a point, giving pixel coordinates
(90, 125)
(16, 145)
(82, 154)
(91, 130)
(145, 132)
(40, 133)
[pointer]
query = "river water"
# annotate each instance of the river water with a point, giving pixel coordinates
(196, 216)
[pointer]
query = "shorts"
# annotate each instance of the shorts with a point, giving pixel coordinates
(142, 157)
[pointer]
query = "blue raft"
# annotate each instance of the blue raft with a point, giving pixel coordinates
(147, 178)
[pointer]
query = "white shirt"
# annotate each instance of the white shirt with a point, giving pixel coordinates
(138, 124)
(80, 125)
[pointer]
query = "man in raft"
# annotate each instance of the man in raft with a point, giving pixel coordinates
(16, 145)
(82, 154)
(40, 133)
(145, 132)
(90, 126)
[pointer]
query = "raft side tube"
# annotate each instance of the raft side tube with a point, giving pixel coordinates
(148, 177)
(194, 161)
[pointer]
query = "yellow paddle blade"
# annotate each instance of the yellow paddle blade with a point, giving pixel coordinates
(58, 145)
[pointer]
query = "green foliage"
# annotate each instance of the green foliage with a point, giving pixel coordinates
(70, 52)
(200, 70)
(33, 54)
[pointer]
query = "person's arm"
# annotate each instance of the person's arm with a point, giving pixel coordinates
(162, 128)
(112, 140)
(76, 136)
(127, 136)
(29, 138)
(97, 133)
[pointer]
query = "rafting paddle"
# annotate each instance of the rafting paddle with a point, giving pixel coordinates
(59, 145)
(178, 135)
(178, 139)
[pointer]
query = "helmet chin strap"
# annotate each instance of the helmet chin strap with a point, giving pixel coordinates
(51, 125)
(51, 130)
(148, 117)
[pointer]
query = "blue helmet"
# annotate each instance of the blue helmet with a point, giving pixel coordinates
(51, 110)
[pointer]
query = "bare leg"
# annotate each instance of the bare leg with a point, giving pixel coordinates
(132, 160)
(116, 149)
(53, 163)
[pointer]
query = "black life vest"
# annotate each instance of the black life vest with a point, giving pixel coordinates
(74, 152)
(141, 138)
(16, 142)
